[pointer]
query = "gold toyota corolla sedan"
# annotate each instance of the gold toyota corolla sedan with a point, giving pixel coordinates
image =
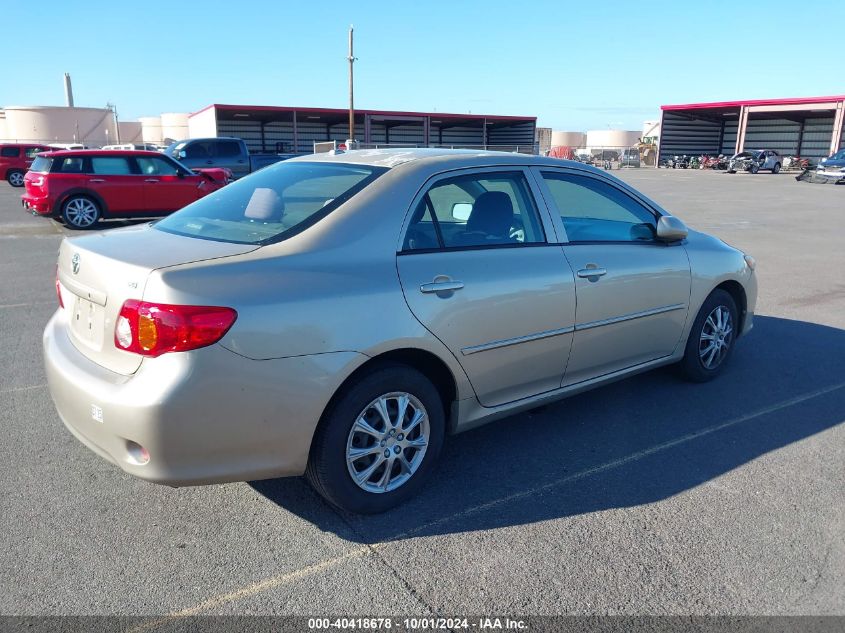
(339, 314)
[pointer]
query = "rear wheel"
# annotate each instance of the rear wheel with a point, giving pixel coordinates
(378, 444)
(80, 212)
(776, 168)
(711, 340)
(15, 178)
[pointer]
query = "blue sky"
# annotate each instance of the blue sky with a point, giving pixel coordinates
(576, 66)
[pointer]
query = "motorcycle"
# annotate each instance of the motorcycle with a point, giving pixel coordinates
(694, 162)
(680, 162)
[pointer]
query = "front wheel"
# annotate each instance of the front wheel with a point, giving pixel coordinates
(379, 442)
(711, 340)
(80, 212)
(755, 169)
(776, 168)
(15, 178)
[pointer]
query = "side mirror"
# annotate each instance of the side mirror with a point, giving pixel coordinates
(461, 211)
(671, 229)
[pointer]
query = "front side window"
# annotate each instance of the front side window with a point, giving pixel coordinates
(32, 151)
(488, 209)
(227, 149)
(200, 149)
(110, 166)
(154, 166)
(273, 204)
(595, 211)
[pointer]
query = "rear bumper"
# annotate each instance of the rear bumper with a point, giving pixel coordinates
(41, 206)
(207, 416)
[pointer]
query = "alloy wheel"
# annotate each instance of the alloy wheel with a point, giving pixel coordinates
(81, 212)
(16, 179)
(387, 442)
(716, 337)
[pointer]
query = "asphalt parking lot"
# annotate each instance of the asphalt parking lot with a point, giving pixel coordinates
(648, 496)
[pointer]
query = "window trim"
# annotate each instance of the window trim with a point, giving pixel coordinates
(554, 211)
(546, 223)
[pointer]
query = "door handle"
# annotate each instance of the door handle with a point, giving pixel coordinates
(591, 273)
(97, 180)
(151, 180)
(441, 286)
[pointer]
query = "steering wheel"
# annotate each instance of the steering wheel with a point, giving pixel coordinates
(517, 231)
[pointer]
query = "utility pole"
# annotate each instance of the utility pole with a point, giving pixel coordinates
(113, 109)
(351, 60)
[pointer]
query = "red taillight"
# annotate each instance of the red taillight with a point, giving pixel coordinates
(153, 329)
(59, 289)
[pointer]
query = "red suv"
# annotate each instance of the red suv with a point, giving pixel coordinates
(83, 186)
(16, 158)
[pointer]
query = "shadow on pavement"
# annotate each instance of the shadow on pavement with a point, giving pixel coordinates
(530, 467)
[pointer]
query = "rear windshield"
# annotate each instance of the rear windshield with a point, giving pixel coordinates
(272, 204)
(41, 164)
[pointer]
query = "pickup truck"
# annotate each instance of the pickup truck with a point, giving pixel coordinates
(222, 151)
(15, 159)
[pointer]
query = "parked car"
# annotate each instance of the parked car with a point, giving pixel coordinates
(755, 160)
(15, 159)
(231, 153)
(150, 147)
(81, 187)
(833, 164)
(629, 158)
(339, 315)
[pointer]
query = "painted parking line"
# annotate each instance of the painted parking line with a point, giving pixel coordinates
(623, 460)
(251, 590)
(17, 389)
(275, 581)
(26, 305)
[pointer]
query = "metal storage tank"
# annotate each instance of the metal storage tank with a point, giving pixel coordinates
(612, 138)
(174, 126)
(568, 139)
(151, 129)
(3, 136)
(58, 124)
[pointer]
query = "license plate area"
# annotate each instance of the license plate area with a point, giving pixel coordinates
(87, 323)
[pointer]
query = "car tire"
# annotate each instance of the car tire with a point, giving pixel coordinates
(776, 168)
(383, 481)
(716, 324)
(81, 212)
(754, 169)
(15, 178)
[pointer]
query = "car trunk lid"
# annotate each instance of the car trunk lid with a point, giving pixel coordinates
(98, 272)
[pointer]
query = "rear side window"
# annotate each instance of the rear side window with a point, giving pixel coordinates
(9, 152)
(41, 164)
(486, 209)
(228, 148)
(273, 204)
(71, 165)
(110, 166)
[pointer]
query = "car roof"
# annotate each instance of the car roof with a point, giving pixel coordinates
(443, 157)
(100, 152)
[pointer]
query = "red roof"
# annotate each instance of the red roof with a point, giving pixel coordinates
(753, 102)
(340, 111)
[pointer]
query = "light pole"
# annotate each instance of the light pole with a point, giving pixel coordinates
(351, 59)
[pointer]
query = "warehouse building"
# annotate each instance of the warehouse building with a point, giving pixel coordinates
(289, 129)
(811, 127)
